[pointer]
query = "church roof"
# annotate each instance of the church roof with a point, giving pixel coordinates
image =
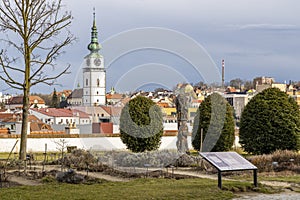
(77, 93)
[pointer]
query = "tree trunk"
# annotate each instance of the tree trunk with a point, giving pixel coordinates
(26, 93)
(23, 143)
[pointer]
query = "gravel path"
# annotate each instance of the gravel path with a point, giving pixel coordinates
(23, 181)
(104, 176)
(281, 196)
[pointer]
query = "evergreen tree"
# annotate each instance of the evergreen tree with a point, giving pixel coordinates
(54, 101)
(141, 125)
(217, 123)
(269, 122)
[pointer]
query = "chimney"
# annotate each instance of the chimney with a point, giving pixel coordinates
(223, 73)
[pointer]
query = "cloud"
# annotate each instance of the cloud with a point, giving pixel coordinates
(267, 27)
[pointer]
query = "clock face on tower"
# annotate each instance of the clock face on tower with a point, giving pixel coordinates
(97, 62)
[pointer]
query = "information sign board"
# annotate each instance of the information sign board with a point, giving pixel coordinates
(229, 161)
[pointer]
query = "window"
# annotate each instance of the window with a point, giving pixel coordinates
(86, 82)
(98, 82)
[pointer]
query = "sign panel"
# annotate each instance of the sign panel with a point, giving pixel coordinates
(228, 161)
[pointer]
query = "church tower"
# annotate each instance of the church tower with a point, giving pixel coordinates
(94, 93)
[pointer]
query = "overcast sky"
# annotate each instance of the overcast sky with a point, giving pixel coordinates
(256, 38)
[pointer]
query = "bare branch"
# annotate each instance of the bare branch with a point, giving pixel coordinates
(11, 23)
(55, 50)
(38, 26)
(45, 79)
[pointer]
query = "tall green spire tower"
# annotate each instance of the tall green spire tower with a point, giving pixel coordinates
(94, 74)
(94, 46)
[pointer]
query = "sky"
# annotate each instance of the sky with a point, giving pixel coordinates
(255, 38)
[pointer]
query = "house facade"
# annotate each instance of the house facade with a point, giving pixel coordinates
(61, 116)
(17, 102)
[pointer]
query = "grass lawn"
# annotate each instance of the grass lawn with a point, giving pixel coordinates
(38, 156)
(136, 189)
(289, 178)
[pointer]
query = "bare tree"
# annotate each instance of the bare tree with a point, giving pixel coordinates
(61, 146)
(36, 32)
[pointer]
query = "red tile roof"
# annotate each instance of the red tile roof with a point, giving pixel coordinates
(32, 100)
(9, 117)
(61, 112)
(112, 110)
(114, 96)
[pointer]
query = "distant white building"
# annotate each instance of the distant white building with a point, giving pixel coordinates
(238, 101)
(61, 116)
(4, 98)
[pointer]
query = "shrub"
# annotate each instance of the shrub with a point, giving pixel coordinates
(281, 160)
(270, 122)
(141, 125)
(215, 127)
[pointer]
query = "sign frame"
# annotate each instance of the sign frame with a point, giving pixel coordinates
(229, 161)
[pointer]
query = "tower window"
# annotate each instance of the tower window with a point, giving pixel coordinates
(98, 82)
(97, 92)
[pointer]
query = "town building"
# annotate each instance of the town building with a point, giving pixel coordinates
(61, 116)
(263, 80)
(75, 98)
(94, 74)
(114, 98)
(238, 101)
(4, 98)
(17, 102)
(12, 123)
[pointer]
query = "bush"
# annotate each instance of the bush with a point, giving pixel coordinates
(153, 158)
(281, 160)
(141, 125)
(217, 131)
(48, 179)
(270, 122)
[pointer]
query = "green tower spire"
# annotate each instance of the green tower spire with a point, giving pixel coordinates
(94, 46)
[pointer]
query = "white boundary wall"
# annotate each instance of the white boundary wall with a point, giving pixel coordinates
(94, 143)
